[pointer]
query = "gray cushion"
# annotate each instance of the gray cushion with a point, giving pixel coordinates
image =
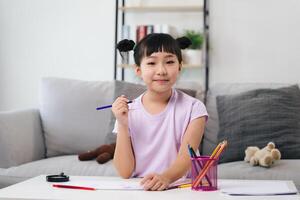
(21, 138)
(281, 170)
(210, 139)
(70, 120)
(256, 117)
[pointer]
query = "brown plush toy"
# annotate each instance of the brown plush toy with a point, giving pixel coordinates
(102, 154)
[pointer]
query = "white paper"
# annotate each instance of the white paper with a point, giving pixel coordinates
(256, 188)
(114, 184)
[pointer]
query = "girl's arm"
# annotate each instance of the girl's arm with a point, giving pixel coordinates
(181, 165)
(123, 158)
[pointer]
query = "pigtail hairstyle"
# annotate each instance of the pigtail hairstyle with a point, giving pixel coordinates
(125, 45)
(183, 42)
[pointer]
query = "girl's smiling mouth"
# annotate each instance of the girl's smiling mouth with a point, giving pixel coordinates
(161, 80)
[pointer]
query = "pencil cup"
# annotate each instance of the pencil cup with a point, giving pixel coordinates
(208, 166)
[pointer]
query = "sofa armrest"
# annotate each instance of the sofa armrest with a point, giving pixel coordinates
(21, 137)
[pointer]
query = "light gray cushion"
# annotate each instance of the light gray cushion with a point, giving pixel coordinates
(280, 170)
(194, 86)
(257, 117)
(70, 120)
(210, 139)
(21, 138)
(70, 165)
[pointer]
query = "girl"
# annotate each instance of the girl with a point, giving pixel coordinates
(153, 132)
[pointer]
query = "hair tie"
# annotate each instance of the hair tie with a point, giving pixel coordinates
(125, 45)
(183, 42)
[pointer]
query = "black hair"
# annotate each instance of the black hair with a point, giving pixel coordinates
(154, 42)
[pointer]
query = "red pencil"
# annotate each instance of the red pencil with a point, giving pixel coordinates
(73, 187)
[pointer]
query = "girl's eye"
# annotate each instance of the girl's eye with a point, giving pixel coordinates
(150, 63)
(170, 62)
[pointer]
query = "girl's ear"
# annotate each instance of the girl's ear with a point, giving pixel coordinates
(180, 66)
(137, 70)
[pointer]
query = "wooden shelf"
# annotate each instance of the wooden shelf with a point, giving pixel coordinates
(162, 8)
(191, 66)
(184, 66)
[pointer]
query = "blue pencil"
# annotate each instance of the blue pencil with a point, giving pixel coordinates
(191, 151)
(108, 106)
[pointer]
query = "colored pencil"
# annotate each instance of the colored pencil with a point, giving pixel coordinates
(73, 187)
(180, 186)
(194, 155)
(108, 106)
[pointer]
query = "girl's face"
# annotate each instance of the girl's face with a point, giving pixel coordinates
(159, 71)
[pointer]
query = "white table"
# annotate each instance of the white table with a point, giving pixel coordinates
(38, 188)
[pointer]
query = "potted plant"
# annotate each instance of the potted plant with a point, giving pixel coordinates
(193, 54)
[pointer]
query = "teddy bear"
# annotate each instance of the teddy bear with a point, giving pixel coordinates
(102, 154)
(264, 157)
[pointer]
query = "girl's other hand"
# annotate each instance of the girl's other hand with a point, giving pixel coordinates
(120, 110)
(155, 182)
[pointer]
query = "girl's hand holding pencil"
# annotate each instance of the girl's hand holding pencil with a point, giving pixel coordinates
(120, 110)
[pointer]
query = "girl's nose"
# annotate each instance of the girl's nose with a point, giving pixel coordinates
(161, 69)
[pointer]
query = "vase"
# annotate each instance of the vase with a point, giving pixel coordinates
(192, 57)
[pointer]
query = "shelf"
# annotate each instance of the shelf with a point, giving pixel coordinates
(183, 66)
(142, 10)
(162, 8)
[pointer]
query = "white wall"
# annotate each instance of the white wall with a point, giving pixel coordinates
(62, 38)
(255, 41)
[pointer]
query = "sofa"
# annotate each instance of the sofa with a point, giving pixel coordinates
(47, 139)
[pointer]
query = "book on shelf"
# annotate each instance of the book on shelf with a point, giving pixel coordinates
(165, 28)
(150, 29)
(141, 32)
(138, 32)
